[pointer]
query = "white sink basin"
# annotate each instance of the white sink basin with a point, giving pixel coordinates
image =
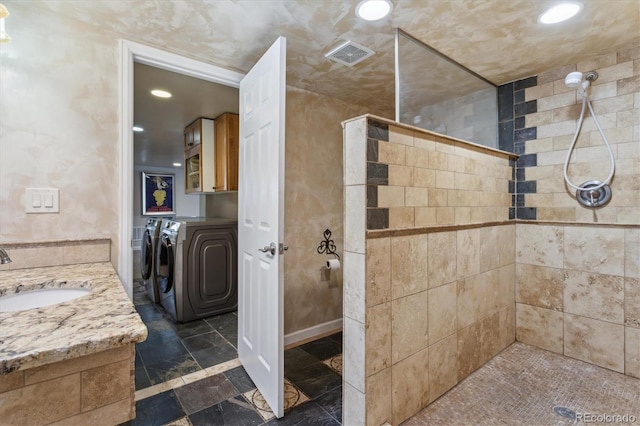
(40, 298)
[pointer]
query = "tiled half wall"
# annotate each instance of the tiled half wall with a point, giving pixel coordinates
(429, 284)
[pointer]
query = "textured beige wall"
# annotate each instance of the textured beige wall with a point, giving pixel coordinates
(58, 128)
(313, 203)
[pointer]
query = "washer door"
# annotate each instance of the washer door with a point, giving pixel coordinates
(146, 255)
(164, 264)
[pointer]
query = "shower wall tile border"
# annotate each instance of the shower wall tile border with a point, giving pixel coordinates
(513, 134)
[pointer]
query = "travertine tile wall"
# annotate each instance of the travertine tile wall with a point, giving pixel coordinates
(424, 305)
(415, 178)
(577, 285)
(94, 389)
(545, 124)
(55, 253)
(578, 292)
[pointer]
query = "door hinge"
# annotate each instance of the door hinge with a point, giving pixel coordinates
(282, 248)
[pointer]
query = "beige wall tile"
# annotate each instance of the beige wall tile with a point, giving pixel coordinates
(378, 271)
(75, 365)
(612, 71)
(355, 286)
(425, 216)
(619, 103)
(400, 175)
(598, 250)
(401, 217)
(391, 196)
(539, 245)
(354, 221)
(42, 403)
(400, 135)
(442, 258)
(632, 253)
(11, 381)
(507, 324)
(443, 366)
(557, 101)
(391, 153)
(417, 197)
(477, 297)
(627, 215)
(539, 118)
(116, 413)
(445, 215)
(437, 197)
(354, 403)
(632, 302)
(632, 352)
(442, 312)
(628, 54)
(410, 386)
(539, 91)
(597, 342)
(563, 214)
(355, 152)
(105, 385)
(539, 327)
(410, 325)
(556, 129)
(540, 286)
(86, 253)
(378, 398)
(438, 161)
(497, 246)
(594, 296)
(468, 253)
(378, 338)
(462, 215)
(424, 178)
(409, 268)
(598, 62)
(469, 356)
(424, 141)
(419, 157)
(353, 361)
(444, 179)
(555, 74)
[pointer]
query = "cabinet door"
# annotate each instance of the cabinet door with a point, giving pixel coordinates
(226, 152)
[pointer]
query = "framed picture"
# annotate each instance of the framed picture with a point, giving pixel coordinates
(158, 194)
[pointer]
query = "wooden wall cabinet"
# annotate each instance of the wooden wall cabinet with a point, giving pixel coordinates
(211, 154)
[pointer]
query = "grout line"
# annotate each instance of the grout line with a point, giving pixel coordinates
(186, 379)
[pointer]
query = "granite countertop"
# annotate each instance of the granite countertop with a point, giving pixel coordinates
(102, 320)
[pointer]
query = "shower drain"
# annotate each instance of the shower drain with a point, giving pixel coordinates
(565, 412)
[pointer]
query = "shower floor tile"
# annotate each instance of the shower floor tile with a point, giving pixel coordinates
(524, 385)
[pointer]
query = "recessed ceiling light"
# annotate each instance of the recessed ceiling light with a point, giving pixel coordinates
(160, 93)
(138, 129)
(372, 10)
(177, 164)
(560, 12)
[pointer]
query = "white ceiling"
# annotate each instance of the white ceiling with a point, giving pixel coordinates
(500, 40)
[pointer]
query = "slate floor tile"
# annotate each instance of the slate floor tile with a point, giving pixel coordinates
(240, 379)
(307, 414)
(204, 341)
(315, 380)
(331, 402)
(164, 371)
(226, 325)
(215, 355)
(323, 348)
(235, 411)
(152, 354)
(192, 328)
(205, 393)
(158, 410)
(296, 358)
(141, 378)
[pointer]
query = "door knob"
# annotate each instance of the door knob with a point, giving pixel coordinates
(271, 248)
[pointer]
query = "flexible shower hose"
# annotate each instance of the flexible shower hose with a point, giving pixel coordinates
(585, 102)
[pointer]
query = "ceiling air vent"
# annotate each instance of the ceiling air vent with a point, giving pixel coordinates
(349, 53)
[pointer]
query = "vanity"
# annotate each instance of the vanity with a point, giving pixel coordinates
(71, 362)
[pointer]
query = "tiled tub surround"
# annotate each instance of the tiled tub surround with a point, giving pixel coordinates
(578, 292)
(541, 127)
(425, 305)
(72, 362)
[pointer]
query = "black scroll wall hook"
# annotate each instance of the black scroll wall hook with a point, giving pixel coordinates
(328, 246)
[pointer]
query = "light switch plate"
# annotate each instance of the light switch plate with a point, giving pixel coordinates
(42, 200)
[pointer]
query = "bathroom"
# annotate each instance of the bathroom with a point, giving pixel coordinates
(59, 129)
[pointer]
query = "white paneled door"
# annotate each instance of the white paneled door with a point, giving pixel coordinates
(260, 224)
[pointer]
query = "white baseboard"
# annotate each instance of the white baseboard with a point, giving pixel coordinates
(311, 332)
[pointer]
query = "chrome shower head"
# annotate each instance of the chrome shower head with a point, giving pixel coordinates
(573, 79)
